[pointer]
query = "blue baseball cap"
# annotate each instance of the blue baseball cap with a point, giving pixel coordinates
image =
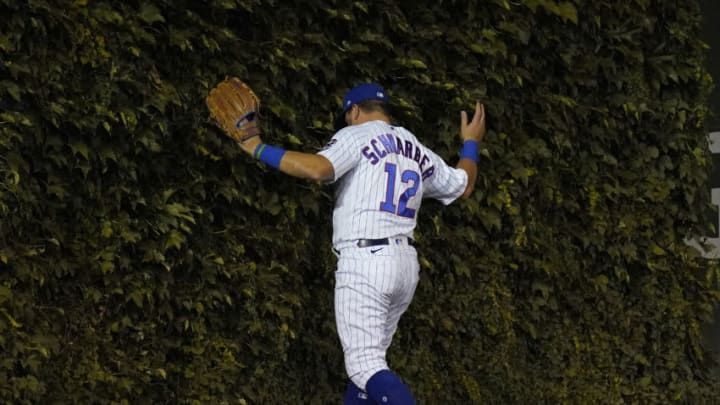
(358, 94)
(363, 92)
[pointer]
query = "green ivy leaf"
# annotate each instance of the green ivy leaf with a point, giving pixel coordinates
(150, 14)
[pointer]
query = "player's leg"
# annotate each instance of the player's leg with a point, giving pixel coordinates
(385, 387)
(361, 310)
(403, 296)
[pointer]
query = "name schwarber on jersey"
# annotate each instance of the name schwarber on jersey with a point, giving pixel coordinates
(380, 146)
(383, 172)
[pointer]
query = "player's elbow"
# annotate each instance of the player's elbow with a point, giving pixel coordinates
(468, 191)
(321, 169)
(470, 168)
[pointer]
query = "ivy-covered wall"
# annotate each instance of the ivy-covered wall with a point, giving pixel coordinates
(710, 33)
(144, 259)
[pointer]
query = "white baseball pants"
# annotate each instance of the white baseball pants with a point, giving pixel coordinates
(373, 287)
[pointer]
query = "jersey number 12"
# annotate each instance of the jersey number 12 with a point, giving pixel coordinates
(409, 177)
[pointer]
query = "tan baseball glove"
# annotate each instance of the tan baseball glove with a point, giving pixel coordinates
(234, 107)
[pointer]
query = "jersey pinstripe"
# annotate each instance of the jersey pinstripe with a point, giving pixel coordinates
(383, 172)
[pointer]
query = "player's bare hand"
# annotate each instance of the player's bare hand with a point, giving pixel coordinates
(475, 129)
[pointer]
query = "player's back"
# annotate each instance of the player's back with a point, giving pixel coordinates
(380, 196)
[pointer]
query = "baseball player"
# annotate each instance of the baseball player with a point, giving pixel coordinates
(382, 172)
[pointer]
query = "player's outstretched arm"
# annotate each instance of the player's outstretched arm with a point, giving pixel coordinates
(298, 164)
(472, 134)
(234, 107)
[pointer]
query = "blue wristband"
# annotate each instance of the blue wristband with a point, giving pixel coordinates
(470, 151)
(269, 154)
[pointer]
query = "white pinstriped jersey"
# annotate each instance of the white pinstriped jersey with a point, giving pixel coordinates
(383, 173)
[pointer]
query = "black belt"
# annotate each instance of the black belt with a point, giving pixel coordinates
(380, 242)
